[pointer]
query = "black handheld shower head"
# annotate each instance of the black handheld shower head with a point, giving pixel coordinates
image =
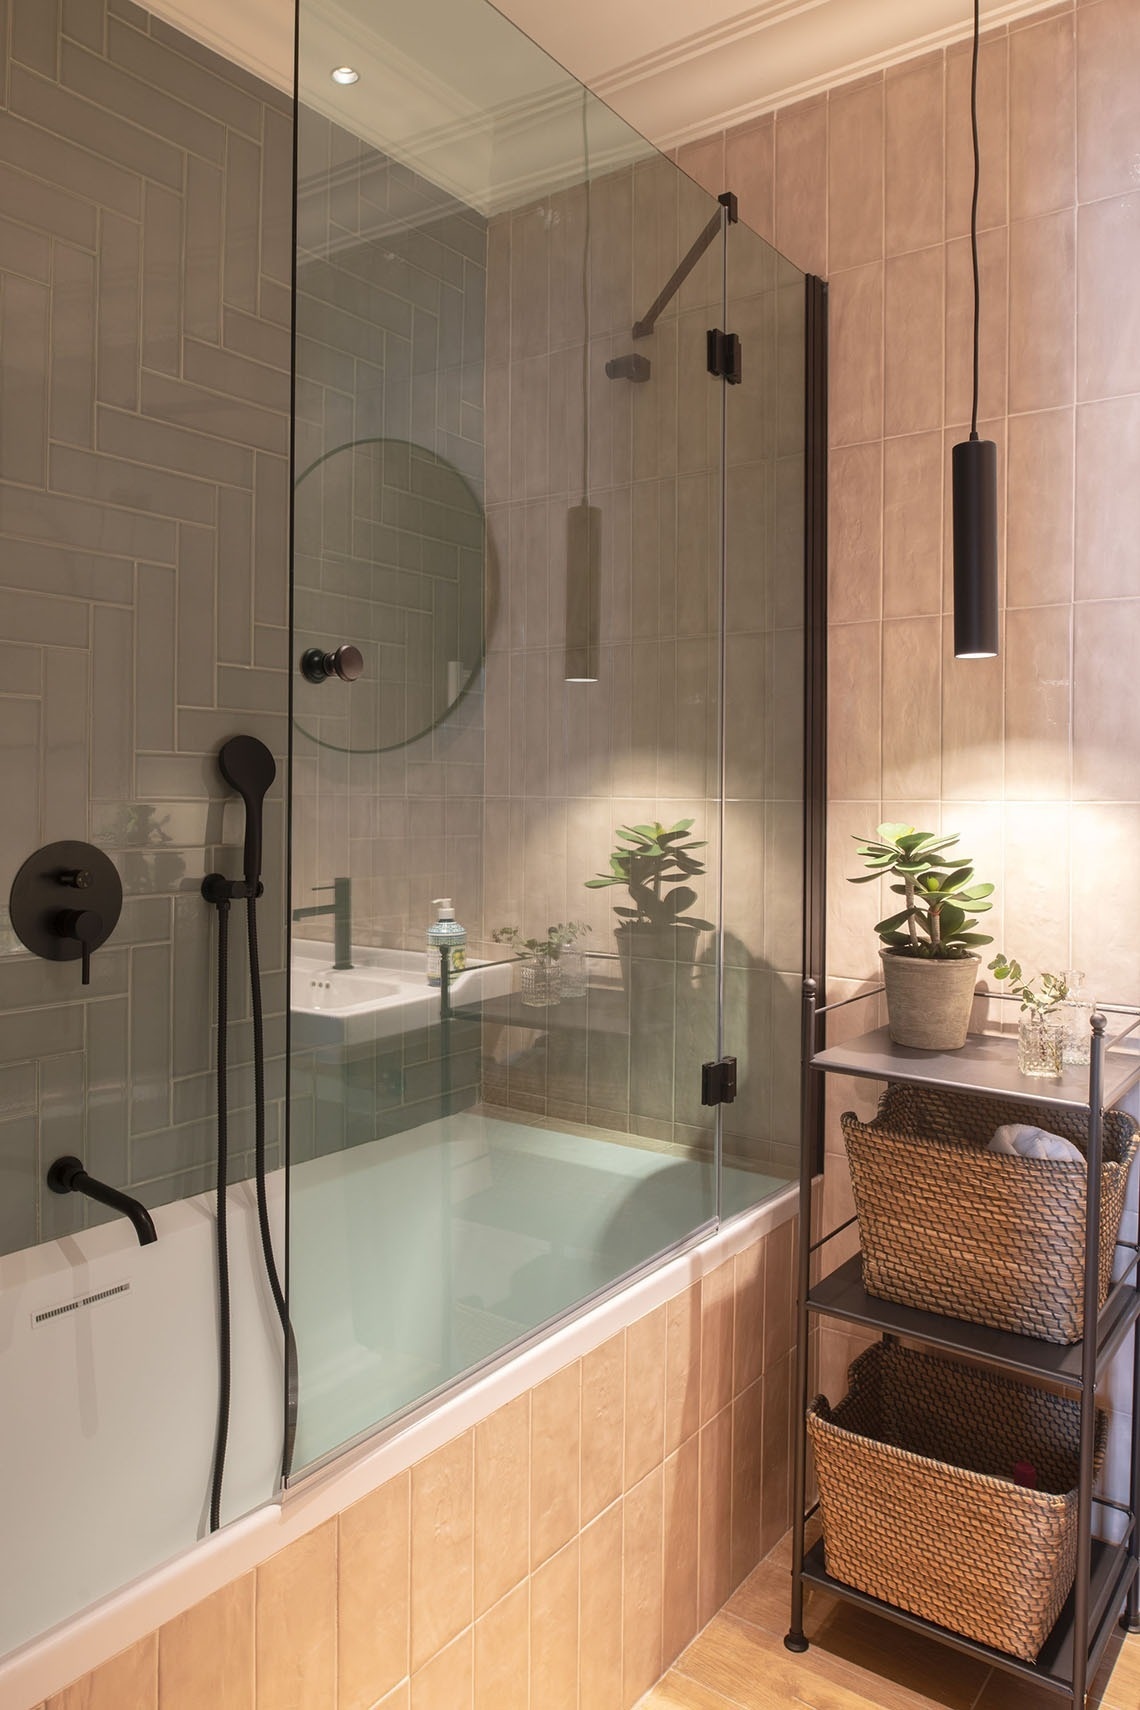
(248, 767)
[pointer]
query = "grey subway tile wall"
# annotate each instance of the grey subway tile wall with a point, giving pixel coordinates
(145, 208)
(391, 554)
(567, 764)
(145, 217)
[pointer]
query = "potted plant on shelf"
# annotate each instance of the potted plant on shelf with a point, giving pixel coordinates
(929, 965)
(654, 863)
(542, 982)
(1041, 1031)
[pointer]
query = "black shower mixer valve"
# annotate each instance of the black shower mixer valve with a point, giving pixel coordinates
(44, 898)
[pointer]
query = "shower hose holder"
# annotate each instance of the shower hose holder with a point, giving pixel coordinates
(217, 889)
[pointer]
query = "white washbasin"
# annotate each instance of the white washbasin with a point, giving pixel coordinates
(341, 991)
(383, 994)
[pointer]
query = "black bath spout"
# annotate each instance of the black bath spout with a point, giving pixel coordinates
(67, 1175)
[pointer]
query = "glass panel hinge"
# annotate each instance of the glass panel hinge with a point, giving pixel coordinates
(718, 1081)
(724, 355)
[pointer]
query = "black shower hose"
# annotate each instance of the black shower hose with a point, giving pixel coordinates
(271, 1270)
(222, 1247)
(221, 1435)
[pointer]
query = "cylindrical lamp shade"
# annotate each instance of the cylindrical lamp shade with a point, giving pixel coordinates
(583, 592)
(975, 550)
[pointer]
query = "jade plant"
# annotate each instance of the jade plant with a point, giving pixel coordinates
(654, 862)
(1053, 988)
(940, 902)
(548, 949)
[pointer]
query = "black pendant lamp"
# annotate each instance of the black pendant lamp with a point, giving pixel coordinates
(584, 521)
(975, 476)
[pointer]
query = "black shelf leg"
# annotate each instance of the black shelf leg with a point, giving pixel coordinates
(794, 1639)
(1088, 1365)
(1132, 1609)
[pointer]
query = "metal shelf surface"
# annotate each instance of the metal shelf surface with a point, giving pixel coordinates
(841, 1295)
(1113, 1571)
(987, 1063)
(604, 1009)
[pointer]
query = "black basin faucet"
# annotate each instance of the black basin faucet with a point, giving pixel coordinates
(67, 1175)
(341, 910)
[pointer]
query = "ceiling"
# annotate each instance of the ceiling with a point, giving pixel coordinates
(449, 87)
(678, 70)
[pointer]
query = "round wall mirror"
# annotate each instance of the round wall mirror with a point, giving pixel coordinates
(390, 554)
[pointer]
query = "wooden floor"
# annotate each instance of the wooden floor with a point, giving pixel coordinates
(856, 1661)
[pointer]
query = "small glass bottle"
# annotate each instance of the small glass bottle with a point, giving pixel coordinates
(574, 977)
(1076, 1015)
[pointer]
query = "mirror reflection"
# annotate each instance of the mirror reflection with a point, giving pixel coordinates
(390, 557)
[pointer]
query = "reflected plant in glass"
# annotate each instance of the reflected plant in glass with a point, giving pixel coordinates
(544, 981)
(1041, 1029)
(654, 864)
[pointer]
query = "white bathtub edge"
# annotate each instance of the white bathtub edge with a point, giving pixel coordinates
(49, 1663)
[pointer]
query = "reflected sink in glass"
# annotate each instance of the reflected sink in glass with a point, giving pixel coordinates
(384, 993)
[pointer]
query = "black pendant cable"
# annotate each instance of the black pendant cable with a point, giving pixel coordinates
(975, 474)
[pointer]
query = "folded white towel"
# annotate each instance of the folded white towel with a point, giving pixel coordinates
(1022, 1140)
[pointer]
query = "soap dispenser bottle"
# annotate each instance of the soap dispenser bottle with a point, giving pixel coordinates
(445, 933)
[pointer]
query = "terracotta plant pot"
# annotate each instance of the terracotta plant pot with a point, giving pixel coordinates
(929, 1002)
(638, 943)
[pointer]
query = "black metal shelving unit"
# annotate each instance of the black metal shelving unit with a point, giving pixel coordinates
(1108, 1574)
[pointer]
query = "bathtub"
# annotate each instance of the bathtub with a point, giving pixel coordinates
(108, 1356)
(417, 1257)
(108, 1372)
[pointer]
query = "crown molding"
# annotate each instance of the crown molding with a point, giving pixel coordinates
(498, 132)
(750, 63)
(714, 37)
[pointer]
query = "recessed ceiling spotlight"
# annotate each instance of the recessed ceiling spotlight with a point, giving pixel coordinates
(345, 74)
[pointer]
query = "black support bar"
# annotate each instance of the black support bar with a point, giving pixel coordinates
(795, 1639)
(726, 212)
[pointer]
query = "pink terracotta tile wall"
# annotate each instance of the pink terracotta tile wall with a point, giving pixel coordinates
(558, 1556)
(1033, 757)
(1038, 749)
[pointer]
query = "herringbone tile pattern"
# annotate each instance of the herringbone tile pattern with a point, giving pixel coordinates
(145, 255)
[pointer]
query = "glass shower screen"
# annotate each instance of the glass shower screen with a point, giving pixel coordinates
(510, 499)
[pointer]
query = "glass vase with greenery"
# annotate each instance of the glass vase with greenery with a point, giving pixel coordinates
(1041, 1031)
(542, 975)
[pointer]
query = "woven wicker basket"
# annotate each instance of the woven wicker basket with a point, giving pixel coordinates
(947, 1226)
(919, 1508)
